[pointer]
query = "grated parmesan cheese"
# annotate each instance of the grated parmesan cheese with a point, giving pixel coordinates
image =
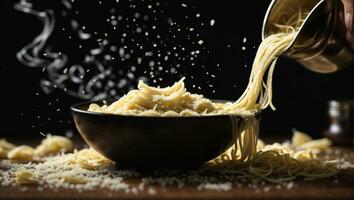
(304, 155)
(25, 177)
(3, 153)
(73, 179)
(5, 147)
(90, 159)
(88, 170)
(300, 138)
(320, 144)
(53, 145)
(220, 187)
(21, 153)
(152, 191)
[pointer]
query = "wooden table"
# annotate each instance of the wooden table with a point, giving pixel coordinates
(320, 189)
(341, 187)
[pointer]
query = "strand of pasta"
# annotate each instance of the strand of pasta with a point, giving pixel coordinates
(243, 158)
(268, 51)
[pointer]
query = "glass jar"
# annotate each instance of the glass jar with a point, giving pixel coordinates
(341, 119)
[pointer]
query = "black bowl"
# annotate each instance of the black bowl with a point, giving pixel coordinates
(154, 142)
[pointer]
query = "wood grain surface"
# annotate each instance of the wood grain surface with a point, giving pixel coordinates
(319, 189)
(339, 187)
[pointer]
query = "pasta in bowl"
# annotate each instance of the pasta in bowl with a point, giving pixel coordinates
(185, 132)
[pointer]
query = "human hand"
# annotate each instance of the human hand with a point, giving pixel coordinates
(348, 17)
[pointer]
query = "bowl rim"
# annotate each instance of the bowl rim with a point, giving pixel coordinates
(75, 109)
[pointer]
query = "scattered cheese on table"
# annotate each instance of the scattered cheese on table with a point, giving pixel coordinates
(21, 153)
(90, 159)
(54, 144)
(5, 147)
(24, 177)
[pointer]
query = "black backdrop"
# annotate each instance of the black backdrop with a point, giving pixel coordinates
(299, 95)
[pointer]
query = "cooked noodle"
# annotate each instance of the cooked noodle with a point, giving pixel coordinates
(167, 102)
(272, 163)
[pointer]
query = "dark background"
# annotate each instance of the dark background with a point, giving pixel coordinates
(300, 95)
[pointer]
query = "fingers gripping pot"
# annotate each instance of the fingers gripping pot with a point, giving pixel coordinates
(320, 44)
